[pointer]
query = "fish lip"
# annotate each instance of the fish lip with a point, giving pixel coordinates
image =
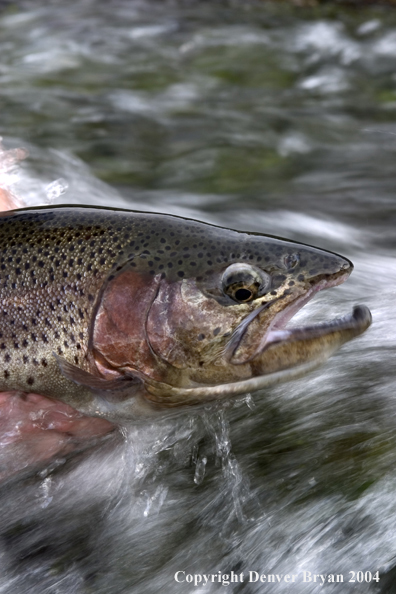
(275, 333)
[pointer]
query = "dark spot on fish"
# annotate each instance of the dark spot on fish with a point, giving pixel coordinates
(7, 358)
(44, 362)
(291, 283)
(301, 277)
(180, 273)
(30, 381)
(216, 331)
(6, 373)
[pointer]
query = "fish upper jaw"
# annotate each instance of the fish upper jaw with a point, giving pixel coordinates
(274, 331)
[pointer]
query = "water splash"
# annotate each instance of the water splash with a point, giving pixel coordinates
(9, 159)
(200, 467)
(56, 189)
(9, 162)
(156, 501)
(218, 425)
(45, 492)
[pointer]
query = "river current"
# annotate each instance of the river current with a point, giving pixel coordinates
(254, 116)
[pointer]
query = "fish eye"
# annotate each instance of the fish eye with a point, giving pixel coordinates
(243, 282)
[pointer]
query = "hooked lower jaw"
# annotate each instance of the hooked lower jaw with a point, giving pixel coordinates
(282, 354)
(303, 350)
(285, 354)
(358, 321)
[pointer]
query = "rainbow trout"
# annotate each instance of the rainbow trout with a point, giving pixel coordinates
(115, 311)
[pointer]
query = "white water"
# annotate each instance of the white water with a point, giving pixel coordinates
(270, 483)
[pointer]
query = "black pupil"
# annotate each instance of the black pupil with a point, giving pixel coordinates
(243, 294)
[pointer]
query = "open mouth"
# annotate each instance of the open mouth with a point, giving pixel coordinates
(282, 355)
(276, 331)
(357, 321)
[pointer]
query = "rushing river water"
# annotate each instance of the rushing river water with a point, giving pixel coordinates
(254, 116)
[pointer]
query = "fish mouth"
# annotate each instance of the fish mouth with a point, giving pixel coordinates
(282, 348)
(277, 332)
(315, 343)
(309, 345)
(283, 353)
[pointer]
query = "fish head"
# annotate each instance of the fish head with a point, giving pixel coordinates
(215, 326)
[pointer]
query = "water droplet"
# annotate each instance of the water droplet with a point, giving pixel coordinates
(56, 189)
(45, 489)
(156, 501)
(200, 467)
(250, 402)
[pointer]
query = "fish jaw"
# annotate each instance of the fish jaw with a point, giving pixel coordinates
(276, 332)
(280, 353)
(304, 349)
(256, 334)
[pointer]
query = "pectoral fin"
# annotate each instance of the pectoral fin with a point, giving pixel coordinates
(95, 383)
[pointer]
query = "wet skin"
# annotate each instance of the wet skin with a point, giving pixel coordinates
(119, 313)
(33, 428)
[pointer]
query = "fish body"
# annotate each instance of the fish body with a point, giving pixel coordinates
(106, 308)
